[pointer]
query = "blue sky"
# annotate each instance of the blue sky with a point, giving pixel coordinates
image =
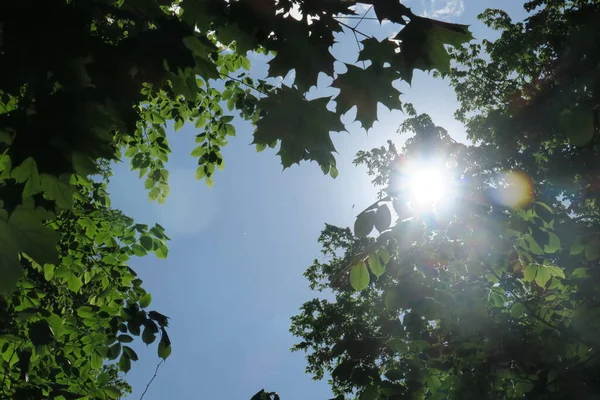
(233, 277)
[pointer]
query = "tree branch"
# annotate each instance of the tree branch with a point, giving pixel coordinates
(153, 377)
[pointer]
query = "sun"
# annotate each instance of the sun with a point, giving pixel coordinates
(426, 186)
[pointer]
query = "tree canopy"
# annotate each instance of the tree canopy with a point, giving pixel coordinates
(490, 292)
(84, 83)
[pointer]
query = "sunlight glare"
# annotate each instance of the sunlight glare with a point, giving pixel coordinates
(426, 186)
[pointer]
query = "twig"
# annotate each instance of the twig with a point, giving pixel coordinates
(355, 17)
(354, 29)
(358, 45)
(153, 376)
(363, 17)
(243, 83)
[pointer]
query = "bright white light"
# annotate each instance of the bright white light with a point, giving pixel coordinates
(426, 186)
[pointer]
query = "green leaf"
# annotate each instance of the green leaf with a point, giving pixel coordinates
(384, 255)
(148, 336)
(580, 272)
(145, 300)
(28, 172)
(162, 251)
(592, 251)
(24, 232)
(577, 247)
(58, 190)
(398, 345)
(380, 53)
(529, 272)
(300, 138)
(395, 375)
(370, 393)
(5, 166)
(164, 350)
(86, 312)
(543, 275)
(74, 283)
(518, 310)
(124, 338)
(24, 171)
(112, 392)
(146, 242)
(423, 42)
(83, 164)
(130, 353)
(296, 43)
(383, 218)
(178, 124)
(496, 299)
(198, 151)
(375, 265)
(124, 363)
(533, 246)
(97, 360)
(359, 276)
(202, 48)
(246, 63)
(433, 383)
(556, 271)
(364, 223)
(48, 271)
(553, 245)
(114, 351)
(364, 88)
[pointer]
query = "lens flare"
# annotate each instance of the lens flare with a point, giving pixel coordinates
(516, 189)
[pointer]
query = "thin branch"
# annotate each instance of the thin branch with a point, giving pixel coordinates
(358, 45)
(355, 17)
(243, 83)
(153, 376)
(363, 17)
(354, 29)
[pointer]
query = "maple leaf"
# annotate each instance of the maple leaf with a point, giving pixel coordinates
(392, 11)
(301, 126)
(308, 54)
(364, 88)
(378, 52)
(423, 42)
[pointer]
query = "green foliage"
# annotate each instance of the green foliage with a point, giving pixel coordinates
(481, 300)
(87, 83)
(69, 314)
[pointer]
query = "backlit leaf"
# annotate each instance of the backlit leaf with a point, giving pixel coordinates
(375, 265)
(359, 276)
(423, 41)
(543, 275)
(364, 88)
(300, 138)
(364, 223)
